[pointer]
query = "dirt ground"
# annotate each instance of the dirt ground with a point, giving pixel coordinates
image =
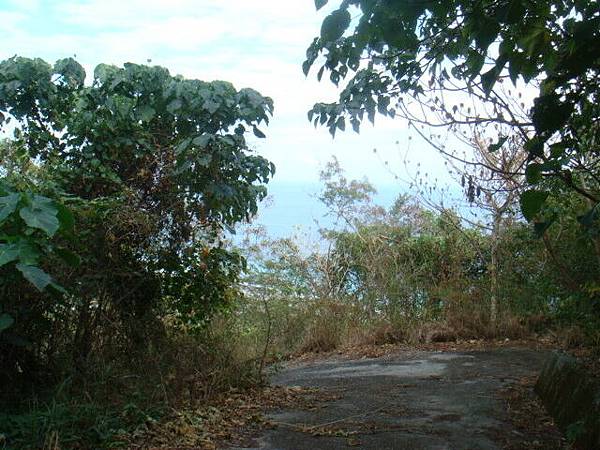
(464, 399)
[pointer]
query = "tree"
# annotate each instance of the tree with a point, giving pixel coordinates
(491, 183)
(395, 53)
(154, 168)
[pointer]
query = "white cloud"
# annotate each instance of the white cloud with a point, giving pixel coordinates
(258, 44)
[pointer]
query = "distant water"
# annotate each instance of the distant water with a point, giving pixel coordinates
(293, 205)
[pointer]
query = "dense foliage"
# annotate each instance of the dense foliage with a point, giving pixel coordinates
(407, 273)
(114, 197)
(118, 287)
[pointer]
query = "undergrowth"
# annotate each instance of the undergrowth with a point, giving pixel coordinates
(117, 397)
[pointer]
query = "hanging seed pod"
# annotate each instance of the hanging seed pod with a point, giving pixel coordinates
(471, 193)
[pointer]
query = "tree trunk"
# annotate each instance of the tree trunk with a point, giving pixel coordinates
(595, 239)
(494, 270)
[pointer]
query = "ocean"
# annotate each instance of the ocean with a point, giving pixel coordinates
(294, 206)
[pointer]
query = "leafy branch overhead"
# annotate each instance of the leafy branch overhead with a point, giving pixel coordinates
(390, 53)
(138, 116)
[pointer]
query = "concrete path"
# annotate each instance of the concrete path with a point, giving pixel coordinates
(418, 400)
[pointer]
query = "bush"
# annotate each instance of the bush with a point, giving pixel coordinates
(113, 203)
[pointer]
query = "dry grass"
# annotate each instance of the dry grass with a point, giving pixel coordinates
(381, 333)
(332, 327)
(572, 337)
(327, 326)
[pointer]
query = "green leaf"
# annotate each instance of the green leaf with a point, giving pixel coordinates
(212, 106)
(534, 147)
(58, 287)
(335, 24)
(8, 205)
(240, 130)
(65, 217)
(320, 3)
(182, 146)
(486, 33)
(320, 73)
(203, 140)
(474, 63)
(6, 321)
(8, 253)
(28, 252)
(42, 214)
(532, 202)
(557, 150)
(204, 160)
(258, 133)
(35, 276)
(533, 173)
(495, 147)
(488, 80)
(146, 113)
(514, 11)
(71, 72)
(539, 228)
(174, 106)
(306, 67)
(550, 113)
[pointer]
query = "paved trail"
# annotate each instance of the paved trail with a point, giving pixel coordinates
(421, 400)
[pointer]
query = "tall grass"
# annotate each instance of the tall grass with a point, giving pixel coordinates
(120, 394)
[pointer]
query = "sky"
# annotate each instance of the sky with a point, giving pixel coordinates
(259, 44)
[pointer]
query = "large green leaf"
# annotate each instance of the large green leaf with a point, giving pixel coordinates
(8, 253)
(335, 24)
(533, 173)
(174, 106)
(70, 71)
(532, 202)
(41, 214)
(550, 112)
(29, 252)
(488, 79)
(65, 217)
(6, 321)
(146, 113)
(35, 275)
(8, 205)
(203, 140)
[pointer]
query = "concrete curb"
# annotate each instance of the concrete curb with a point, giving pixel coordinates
(572, 399)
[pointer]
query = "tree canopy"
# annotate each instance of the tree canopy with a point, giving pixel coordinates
(140, 127)
(114, 195)
(393, 51)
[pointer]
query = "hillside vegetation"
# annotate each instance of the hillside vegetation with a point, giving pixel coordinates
(125, 304)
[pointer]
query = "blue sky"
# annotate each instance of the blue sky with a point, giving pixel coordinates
(259, 44)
